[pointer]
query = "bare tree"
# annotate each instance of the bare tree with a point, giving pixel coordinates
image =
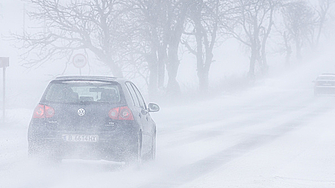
(254, 21)
(286, 47)
(202, 35)
(300, 22)
(176, 14)
(160, 26)
(99, 26)
(152, 36)
(322, 12)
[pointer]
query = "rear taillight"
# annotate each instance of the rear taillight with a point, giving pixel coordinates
(121, 113)
(43, 111)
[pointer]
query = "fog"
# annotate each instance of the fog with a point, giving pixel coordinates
(272, 132)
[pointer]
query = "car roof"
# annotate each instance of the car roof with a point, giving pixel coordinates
(326, 77)
(90, 78)
(327, 74)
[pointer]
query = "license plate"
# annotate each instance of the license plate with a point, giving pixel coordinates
(80, 138)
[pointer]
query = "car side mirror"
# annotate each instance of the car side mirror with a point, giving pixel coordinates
(152, 107)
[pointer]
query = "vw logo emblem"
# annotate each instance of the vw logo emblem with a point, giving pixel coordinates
(81, 112)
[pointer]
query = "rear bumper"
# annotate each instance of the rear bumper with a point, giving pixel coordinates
(100, 150)
(114, 144)
(324, 90)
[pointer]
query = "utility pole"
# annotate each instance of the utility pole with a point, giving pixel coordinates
(4, 62)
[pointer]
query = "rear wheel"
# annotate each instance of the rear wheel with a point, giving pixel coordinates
(153, 148)
(44, 152)
(32, 150)
(135, 155)
(139, 149)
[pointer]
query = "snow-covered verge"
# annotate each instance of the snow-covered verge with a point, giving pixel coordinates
(301, 158)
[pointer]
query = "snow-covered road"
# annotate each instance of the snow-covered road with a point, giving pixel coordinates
(272, 135)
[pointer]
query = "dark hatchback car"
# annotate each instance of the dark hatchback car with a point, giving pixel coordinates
(93, 117)
(324, 84)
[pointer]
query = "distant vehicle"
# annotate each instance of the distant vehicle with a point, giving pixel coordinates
(324, 84)
(93, 117)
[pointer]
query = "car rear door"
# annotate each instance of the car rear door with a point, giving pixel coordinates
(143, 115)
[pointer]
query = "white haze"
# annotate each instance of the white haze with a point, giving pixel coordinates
(273, 134)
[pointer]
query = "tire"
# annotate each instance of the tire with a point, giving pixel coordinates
(152, 156)
(55, 155)
(40, 151)
(34, 149)
(134, 155)
(139, 149)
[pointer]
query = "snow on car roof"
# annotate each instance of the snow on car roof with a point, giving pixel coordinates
(326, 77)
(87, 78)
(328, 74)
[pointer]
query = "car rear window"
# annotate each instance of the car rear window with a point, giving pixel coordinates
(82, 91)
(326, 78)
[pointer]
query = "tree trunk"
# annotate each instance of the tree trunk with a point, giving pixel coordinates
(173, 46)
(265, 65)
(153, 77)
(208, 62)
(298, 50)
(162, 61)
(116, 70)
(199, 52)
(173, 88)
(203, 81)
(253, 58)
(288, 50)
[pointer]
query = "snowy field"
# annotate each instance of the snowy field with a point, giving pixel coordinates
(275, 134)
